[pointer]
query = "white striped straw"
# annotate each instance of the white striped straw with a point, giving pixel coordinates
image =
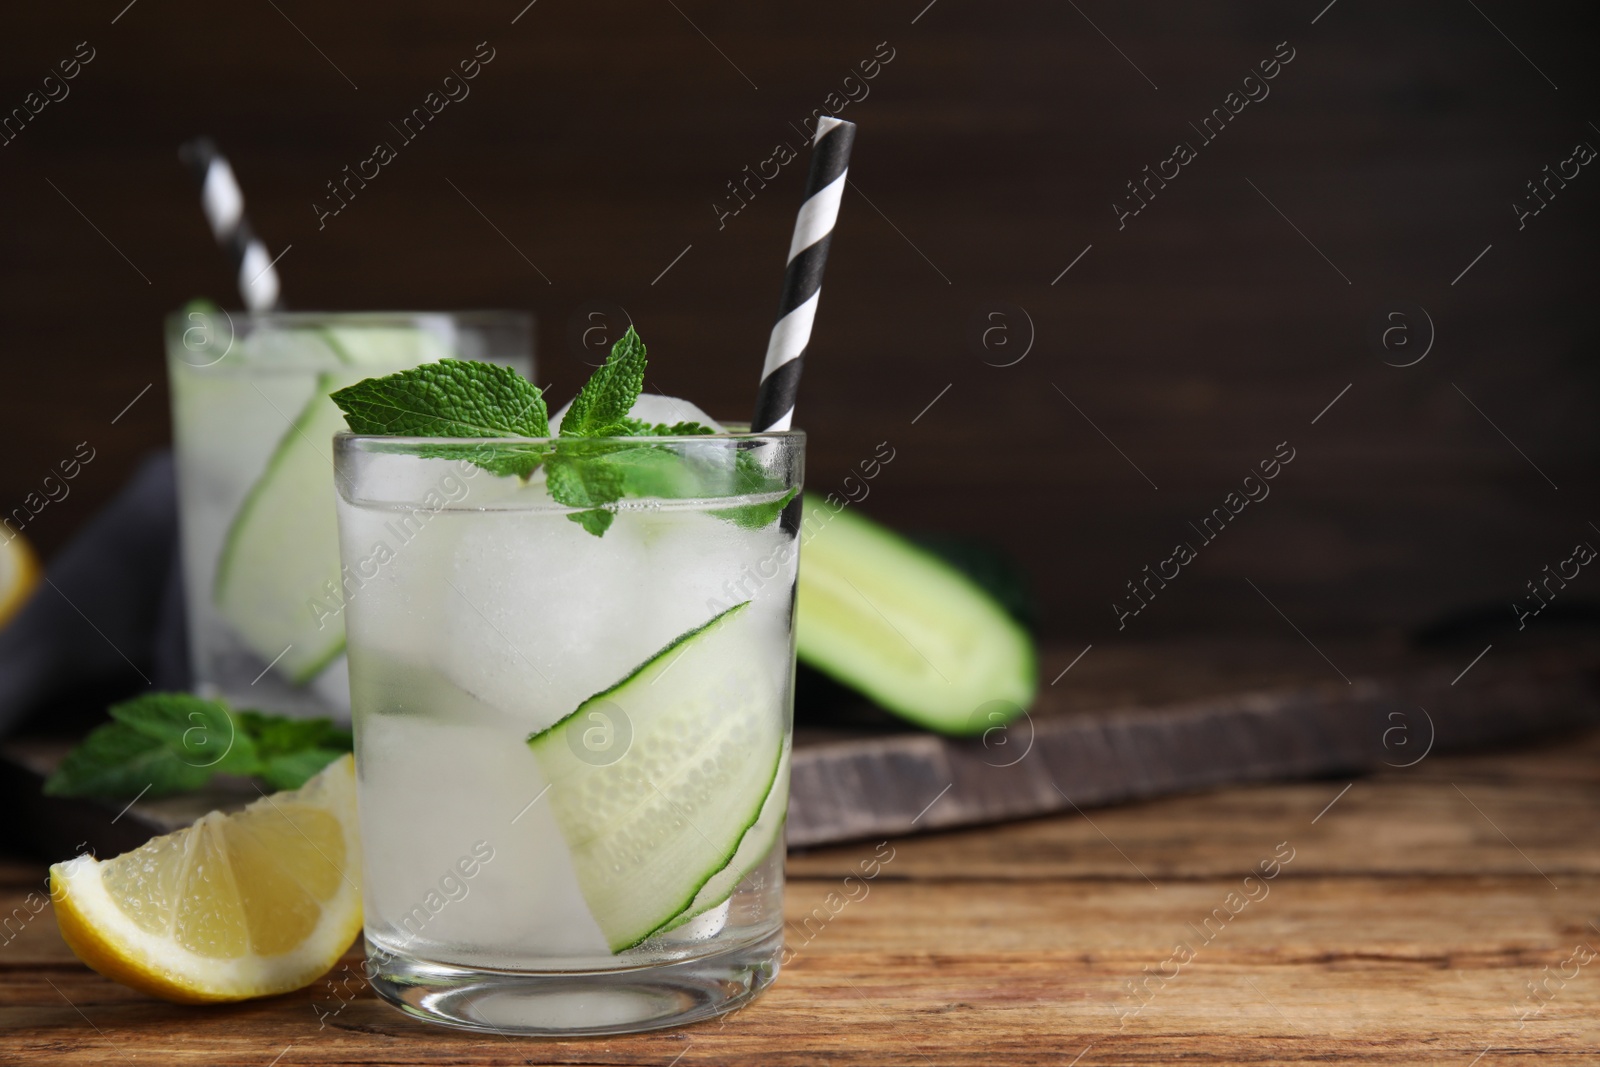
(223, 204)
(802, 279)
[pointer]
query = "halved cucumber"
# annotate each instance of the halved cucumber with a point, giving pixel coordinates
(656, 781)
(283, 549)
(880, 614)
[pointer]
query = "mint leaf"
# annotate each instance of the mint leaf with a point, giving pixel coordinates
(201, 733)
(756, 516)
(164, 743)
(631, 427)
(601, 407)
(594, 475)
(518, 458)
(662, 429)
(117, 761)
(750, 478)
(292, 770)
(654, 471)
(596, 521)
(583, 481)
(275, 735)
(453, 398)
(293, 750)
(580, 481)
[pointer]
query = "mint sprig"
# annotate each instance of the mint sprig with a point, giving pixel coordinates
(595, 477)
(591, 466)
(159, 744)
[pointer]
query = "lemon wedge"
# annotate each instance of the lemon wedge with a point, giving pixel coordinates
(259, 902)
(19, 573)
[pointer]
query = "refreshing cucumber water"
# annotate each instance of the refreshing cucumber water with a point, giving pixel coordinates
(252, 431)
(607, 717)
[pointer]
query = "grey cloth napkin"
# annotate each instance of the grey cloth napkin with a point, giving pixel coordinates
(108, 619)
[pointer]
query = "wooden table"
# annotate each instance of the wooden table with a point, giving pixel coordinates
(1417, 908)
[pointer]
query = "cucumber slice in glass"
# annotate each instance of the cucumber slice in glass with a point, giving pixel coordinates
(765, 834)
(657, 781)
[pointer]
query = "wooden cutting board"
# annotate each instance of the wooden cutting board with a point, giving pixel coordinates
(1112, 724)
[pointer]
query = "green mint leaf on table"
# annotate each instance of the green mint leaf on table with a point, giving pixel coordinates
(291, 770)
(117, 761)
(453, 398)
(601, 407)
(275, 735)
(159, 744)
(202, 733)
(292, 750)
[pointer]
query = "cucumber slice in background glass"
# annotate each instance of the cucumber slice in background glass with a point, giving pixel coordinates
(282, 548)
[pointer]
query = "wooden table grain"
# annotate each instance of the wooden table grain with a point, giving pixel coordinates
(1441, 914)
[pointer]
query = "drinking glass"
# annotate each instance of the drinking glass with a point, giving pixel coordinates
(252, 438)
(572, 724)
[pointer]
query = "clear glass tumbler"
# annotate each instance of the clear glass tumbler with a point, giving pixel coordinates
(252, 435)
(572, 725)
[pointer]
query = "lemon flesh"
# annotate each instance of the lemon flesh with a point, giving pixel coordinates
(259, 902)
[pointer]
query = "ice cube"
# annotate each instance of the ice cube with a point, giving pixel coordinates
(522, 898)
(652, 408)
(702, 565)
(543, 615)
(395, 562)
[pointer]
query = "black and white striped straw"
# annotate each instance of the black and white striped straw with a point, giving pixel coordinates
(802, 281)
(223, 204)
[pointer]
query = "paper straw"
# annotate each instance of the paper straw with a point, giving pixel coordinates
(802, 280)
(223, 204)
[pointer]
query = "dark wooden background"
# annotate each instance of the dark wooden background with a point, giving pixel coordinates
(991, 149)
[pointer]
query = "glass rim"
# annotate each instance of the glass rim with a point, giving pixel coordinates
(300, 316)
(237, 334)
(736, 434)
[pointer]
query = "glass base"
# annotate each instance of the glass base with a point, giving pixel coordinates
(575, 1004)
